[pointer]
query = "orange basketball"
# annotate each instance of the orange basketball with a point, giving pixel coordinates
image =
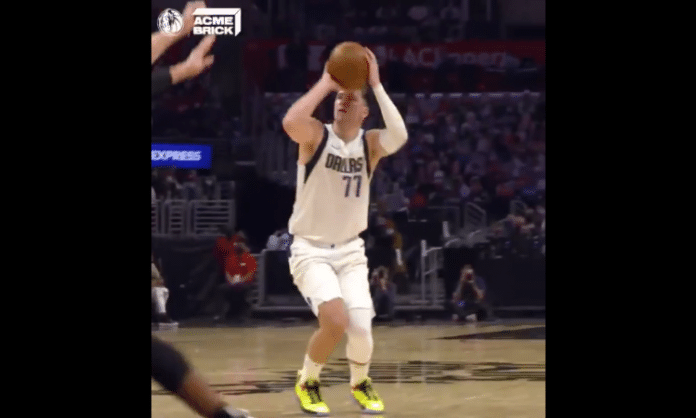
(347, 65)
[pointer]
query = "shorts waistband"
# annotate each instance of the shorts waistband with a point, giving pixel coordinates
(320, 244)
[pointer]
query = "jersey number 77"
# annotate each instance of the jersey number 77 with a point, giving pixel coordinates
(358, 179)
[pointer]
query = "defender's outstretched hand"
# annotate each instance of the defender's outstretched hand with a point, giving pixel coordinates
(197, 61)
(189, 18)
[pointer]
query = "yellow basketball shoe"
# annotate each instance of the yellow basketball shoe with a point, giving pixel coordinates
(367, 397)
(310, 398)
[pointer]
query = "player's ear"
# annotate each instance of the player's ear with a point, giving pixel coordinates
(366, 102)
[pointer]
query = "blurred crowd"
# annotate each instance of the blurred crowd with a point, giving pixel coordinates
(476, 151)
(487, 150)
(398, 76)
(193, 108)
(174, 184)
(391, 20)
(209, 106)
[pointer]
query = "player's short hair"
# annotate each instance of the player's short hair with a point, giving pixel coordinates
(366, 93)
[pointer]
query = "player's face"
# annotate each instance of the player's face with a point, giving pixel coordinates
(350, 107)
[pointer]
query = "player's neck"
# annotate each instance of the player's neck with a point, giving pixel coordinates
(345, 133)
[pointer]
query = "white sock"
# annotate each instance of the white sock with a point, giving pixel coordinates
(358, 372)
(310, 370)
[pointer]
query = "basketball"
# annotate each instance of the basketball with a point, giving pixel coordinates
(347, 65)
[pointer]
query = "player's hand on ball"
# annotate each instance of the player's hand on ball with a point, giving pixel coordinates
(199, 60)
(188, 16)
(329, 81)
(373, 77)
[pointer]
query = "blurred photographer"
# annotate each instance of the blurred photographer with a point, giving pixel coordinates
(470, 296)
(383, 293)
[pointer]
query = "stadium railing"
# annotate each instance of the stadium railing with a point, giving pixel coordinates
(191, 218)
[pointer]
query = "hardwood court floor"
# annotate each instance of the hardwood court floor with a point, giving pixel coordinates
(443, 371)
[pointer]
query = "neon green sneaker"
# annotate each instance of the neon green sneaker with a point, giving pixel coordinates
(367, 397)
(310, 398)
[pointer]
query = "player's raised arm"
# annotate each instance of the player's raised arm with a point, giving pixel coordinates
(198, 61)
(162, 42)
(395, 135)
(298, 122)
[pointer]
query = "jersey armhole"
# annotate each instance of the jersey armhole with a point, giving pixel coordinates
(317, 154)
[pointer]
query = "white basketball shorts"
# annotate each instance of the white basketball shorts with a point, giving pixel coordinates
(323, 272)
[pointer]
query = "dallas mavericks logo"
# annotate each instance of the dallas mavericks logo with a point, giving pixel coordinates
(170, 22)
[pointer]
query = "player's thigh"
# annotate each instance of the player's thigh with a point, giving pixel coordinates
(316, 281)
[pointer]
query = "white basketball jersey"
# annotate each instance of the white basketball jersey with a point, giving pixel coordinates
(332, 199)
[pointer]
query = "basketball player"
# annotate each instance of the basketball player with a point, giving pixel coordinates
(169, 368)
(327, 257)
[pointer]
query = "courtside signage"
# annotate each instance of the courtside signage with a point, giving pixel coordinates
(181, 156)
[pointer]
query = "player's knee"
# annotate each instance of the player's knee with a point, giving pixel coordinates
(360, 343)
(360, 324)
(359, 330)
(333, 317)
(169, 368)
(337, 324)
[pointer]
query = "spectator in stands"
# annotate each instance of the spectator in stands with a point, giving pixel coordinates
(241, 236)
(419, 202)
(279, 240)
(382, 228)
(383, 293)
(396, 201)
(450, 13)
(450, 131)
(478, 195)
(240, 270)
(387, 12)
(470, 124)
(543, 226)
(159, 295)
(412, 117)
(191, 185)
(530, 227)
(514, 231)
(223, 246)
(456, 190)
(476, 165)
(399, 268)
(469, 298)
(541, 218)
(172, 187)
(382, 183)
(208, 187)
(418, 12)
(158, 184)
(429, 26)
